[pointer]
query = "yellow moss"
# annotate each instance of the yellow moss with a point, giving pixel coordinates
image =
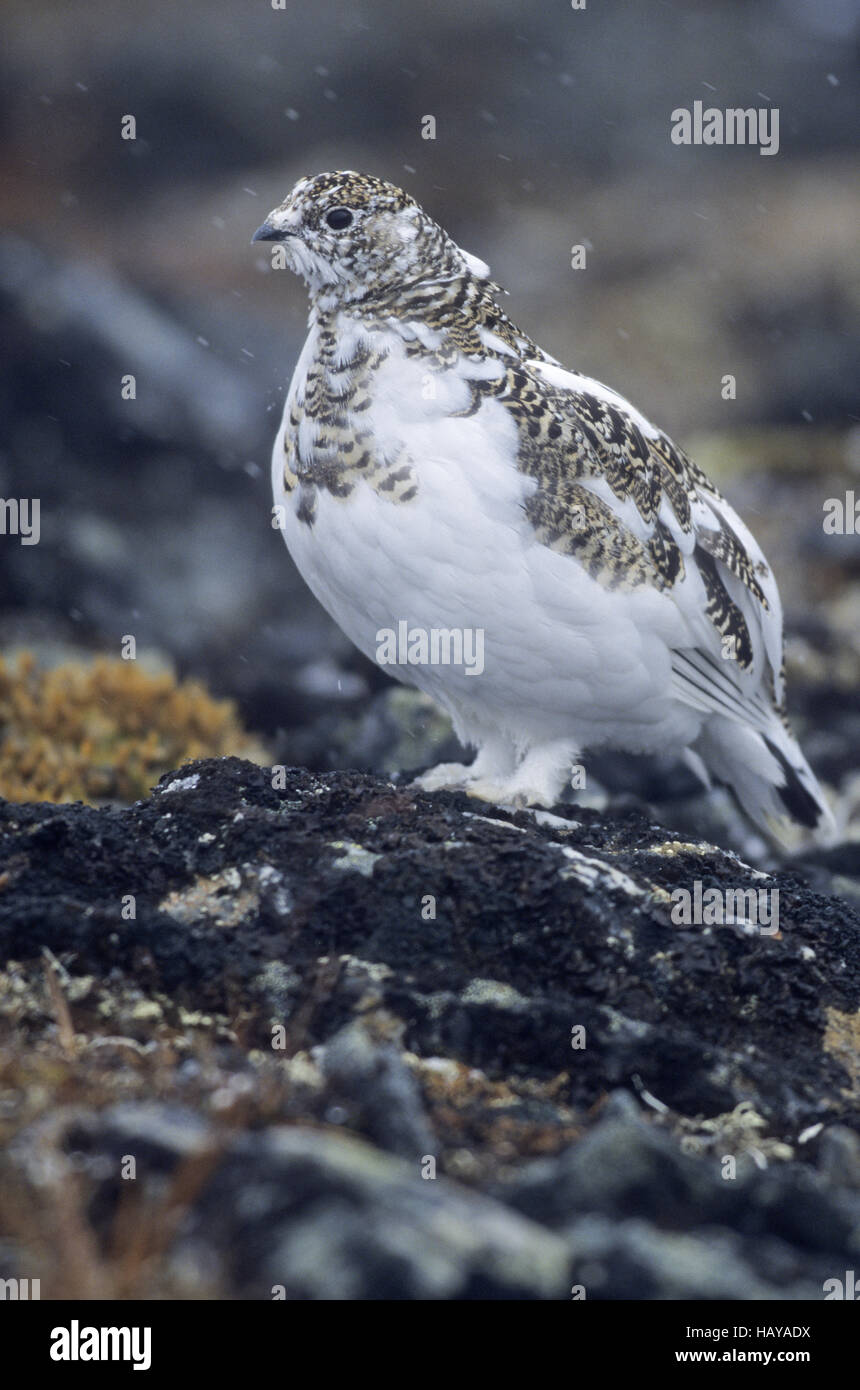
(105, 730)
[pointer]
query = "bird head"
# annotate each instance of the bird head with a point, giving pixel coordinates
(351, 235)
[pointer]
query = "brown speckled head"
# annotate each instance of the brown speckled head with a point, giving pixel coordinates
(350, 235)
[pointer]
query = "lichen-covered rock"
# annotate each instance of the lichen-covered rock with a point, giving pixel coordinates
(555, 1077)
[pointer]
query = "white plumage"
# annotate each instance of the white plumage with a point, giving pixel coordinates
(434, 466)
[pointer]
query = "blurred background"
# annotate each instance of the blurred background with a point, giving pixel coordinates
(124, 256)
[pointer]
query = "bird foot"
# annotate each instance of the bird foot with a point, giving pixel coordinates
(510, 794)
(451, 777)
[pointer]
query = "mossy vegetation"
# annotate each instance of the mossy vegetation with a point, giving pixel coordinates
(106, 730)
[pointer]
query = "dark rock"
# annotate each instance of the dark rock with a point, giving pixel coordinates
(633, 1259)
(501, 999)
(385, 1098)
(316, 1215)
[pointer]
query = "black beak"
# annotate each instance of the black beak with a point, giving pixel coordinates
(269, 233)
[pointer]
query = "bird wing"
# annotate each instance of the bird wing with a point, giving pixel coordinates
(616, 494)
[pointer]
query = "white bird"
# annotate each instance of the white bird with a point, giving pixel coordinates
(518, 538)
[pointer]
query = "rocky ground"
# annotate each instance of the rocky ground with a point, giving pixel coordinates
(317, 1037)
(347, 1040)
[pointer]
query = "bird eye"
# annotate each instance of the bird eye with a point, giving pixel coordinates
(339, 219)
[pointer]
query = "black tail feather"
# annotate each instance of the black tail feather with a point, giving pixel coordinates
(797, 799)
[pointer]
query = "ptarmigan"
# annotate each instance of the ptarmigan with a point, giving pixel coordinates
(438, 472)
